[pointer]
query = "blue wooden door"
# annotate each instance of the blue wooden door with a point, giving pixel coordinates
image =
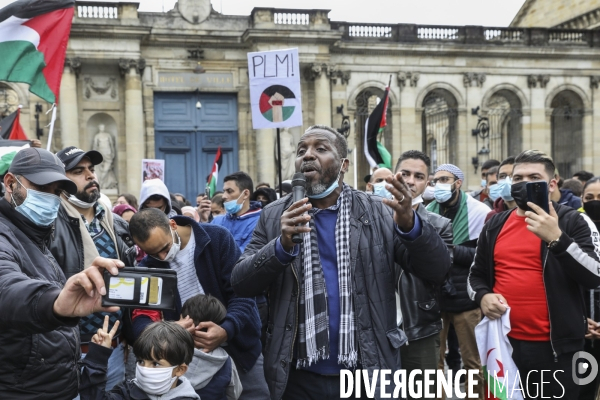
(187, 138)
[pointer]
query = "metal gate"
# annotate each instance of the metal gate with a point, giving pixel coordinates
(438, 122)
(505, 124)
(567, 134)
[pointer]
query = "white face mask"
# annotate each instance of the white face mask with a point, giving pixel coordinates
(175, 247)
(417, 200)
(156, 381)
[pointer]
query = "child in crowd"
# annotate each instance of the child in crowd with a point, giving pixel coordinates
(163, 352)
(213, 375)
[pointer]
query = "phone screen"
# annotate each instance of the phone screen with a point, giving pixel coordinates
(537, 193)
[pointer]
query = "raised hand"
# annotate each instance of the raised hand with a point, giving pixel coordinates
(402, 203)
(104, 337)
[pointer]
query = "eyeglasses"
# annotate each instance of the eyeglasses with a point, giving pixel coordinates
(441, 179)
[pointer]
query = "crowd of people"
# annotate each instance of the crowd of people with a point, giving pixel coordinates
(275, 296)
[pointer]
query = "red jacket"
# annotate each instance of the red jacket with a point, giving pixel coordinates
(499, 206)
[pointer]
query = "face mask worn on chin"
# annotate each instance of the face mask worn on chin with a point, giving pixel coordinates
(79, 203)
(232, 206)
(504, 186)
(39, 207)
(592, 209)
(417, 200)
(332, 187)
(428, 194)
(155, 381)
(518, 191)
(380, 190)
(443, 192)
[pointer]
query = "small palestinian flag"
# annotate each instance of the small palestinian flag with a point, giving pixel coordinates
(211, 182)
(8, 151)
(10, 127)
(376, 153)
(33, 42)
(277, 103)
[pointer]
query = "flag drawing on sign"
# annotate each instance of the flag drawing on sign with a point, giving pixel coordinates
(277, 103)
(33, 43)
(499, 369)
(8, 151)
(376, 153)
(10, 127)
(211, 181)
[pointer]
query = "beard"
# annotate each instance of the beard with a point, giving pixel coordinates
(91, 197)
(326, 178)
(18, 197)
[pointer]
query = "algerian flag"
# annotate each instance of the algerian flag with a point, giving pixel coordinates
(33, 43)
(376, 153)
(8, 151)
(211, 182)
(469, 220)
(499, 369)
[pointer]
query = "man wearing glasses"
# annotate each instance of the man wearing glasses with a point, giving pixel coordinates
(467, 216)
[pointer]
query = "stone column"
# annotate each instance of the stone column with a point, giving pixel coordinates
(595, 164)
(319, 73)
(540, 137)
(134, 122)
(68, 105)
(410, 137)
(473, 83)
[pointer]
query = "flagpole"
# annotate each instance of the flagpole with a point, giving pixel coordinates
(279, 162)
(51, 126)
(355, 170)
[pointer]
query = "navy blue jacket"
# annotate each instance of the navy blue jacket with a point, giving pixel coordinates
(567, 198)
(215, 255)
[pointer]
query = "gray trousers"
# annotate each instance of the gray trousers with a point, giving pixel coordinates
(421, 354)
(254, 385)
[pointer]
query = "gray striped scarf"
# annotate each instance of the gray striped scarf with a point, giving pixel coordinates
(313, 340)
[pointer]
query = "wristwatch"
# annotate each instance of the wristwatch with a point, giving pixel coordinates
(553, 243)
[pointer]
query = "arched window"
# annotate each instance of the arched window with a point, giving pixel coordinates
(439, 127)
(366, 101)
(567, 132)
(503, 110)
(9, 100)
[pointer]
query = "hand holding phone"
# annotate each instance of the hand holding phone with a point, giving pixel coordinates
(537, 193)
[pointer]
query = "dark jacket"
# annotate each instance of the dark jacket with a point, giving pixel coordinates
(93, 381)
(567, 198)
(215, 255)
(39, 352)
(375, 247)
(568, 268)
(67, 245)
(419, 299)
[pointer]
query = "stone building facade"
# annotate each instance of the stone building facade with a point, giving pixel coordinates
(174, 86)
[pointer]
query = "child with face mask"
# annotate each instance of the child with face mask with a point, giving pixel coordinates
(163, 352)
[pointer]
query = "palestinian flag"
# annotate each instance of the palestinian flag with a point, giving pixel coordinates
(376, 153)
(277, 103)
(10, 127)
(8, 150)
(499, 370)
(211, 182)
(469, 220)
(33, 42)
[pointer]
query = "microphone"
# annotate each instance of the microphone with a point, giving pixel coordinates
(298, 189)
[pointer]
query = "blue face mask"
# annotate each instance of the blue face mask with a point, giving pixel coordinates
(483, 183)
(504, 186)
(442, 192)
(380, 190)
(39, 207)
(331, 188)
(494, 191)
(232, 206)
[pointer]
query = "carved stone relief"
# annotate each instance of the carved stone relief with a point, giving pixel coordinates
(101, 88)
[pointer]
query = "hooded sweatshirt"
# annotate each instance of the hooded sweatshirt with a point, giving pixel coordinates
(214, 375)
(156, 186)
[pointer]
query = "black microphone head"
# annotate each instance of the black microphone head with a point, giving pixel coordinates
(299, 180)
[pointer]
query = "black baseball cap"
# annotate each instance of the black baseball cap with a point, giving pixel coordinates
(41, 167)
(71, 156)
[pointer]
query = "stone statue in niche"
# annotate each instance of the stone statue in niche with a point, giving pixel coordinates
(105, 144)
(288, 154)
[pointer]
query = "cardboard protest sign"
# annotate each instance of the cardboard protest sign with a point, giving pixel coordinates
(275, 89)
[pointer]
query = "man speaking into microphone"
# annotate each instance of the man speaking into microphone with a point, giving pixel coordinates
(332, 302)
